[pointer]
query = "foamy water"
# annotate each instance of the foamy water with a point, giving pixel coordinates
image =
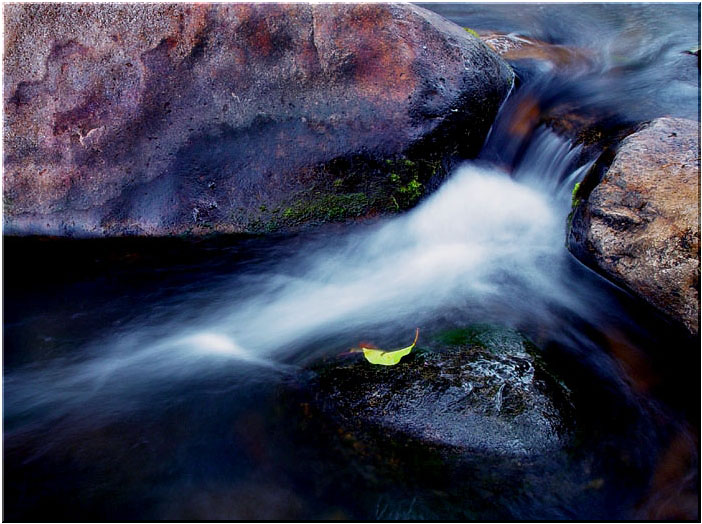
(487, 244)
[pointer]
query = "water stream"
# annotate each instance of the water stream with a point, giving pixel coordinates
(144, 389)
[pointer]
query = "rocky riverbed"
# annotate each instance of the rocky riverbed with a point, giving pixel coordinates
(263, 184)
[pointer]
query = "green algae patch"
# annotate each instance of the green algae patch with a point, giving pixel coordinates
(317, 208)
(407, 181)
(575, 200)
(486, 336)
(345, 189)
(471, 32)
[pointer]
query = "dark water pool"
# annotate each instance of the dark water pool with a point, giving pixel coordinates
(218, 441)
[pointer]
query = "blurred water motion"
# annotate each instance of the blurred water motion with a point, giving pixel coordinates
(637, 60)
(484, 243)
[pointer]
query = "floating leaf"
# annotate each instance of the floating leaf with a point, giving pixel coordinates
(388, 358)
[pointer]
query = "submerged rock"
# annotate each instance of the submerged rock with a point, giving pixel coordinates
(159, 119)
(462, 428)
(478, 391)
(640, 225)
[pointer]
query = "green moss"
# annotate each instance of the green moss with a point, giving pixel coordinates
(391, 184)
(492, 338)
(406, 181)
(395, 203)
(472, 32)
(412, 190)
(326, 208)
(454, 337)
(575, 201)
(348, 187)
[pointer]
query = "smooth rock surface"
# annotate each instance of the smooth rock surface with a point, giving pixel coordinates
(640, 225)
(160, 119)
(480, 392)
(515, 48)
(469, 422)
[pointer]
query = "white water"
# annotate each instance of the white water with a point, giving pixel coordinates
(485, 244)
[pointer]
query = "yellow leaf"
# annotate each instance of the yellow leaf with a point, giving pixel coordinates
(388, 358)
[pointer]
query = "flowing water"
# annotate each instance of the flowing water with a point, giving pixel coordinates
(141, 379)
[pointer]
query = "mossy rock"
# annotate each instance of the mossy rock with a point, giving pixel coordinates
(203, 144)
(352, 188)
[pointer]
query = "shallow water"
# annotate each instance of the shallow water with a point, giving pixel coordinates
(142, 380)
(636, 65)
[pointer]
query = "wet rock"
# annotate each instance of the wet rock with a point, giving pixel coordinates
(479, 391)
(548, 97)
(515, 48)
(640, 225)
(159, 119)
(594, 129)
(459, 429)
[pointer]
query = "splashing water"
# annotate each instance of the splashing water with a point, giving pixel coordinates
(482, 238)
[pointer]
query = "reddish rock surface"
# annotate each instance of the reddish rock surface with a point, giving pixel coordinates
(640, 225)
(514, 48)
(160, 119)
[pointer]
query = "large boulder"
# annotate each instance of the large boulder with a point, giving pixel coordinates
(640, 225)
(159, 119)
